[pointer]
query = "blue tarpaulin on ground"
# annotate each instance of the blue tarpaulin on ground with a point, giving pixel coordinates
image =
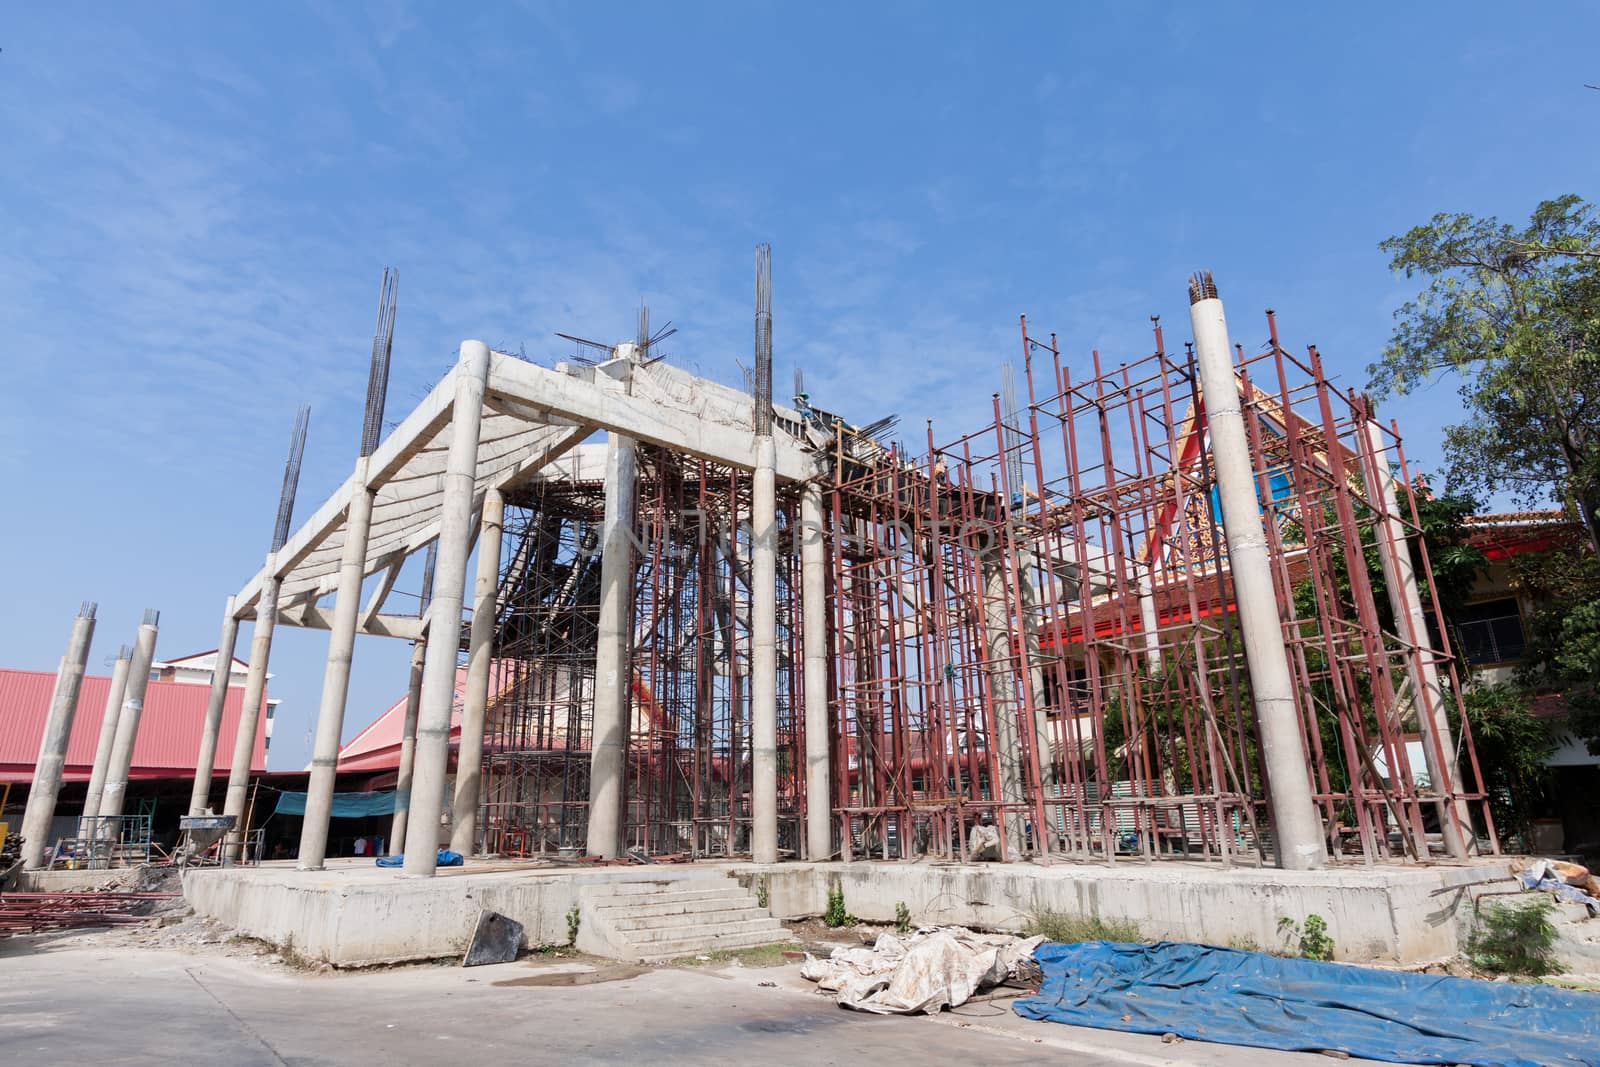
(445, 858)
(345, 805)
(1250, 998)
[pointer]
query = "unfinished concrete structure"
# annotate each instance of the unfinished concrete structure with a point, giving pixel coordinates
(1130, 618)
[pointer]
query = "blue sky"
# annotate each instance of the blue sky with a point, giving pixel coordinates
(196, 205)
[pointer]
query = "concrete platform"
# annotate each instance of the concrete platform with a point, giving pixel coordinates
(1380, 914)
(355, 914)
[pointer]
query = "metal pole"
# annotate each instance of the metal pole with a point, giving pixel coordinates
(108, 738)
(144, 653)
(336, 676)
(611, 669)
(814, 611)
(46, 786)
(221, 675)
(450, 579)
(1297, 828)
(475, 699)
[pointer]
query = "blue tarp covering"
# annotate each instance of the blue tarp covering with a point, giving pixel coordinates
(445, 858)
(1250, 998)
(345, 805)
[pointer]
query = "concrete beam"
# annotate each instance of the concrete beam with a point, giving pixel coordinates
(603, 401)
(312, 617)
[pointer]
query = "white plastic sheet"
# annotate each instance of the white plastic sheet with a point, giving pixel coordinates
(930, 970)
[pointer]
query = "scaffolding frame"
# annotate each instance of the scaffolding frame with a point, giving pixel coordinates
(1032, 622)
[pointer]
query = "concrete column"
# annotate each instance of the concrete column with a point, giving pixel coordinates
(612, 671)
(450, 579)
(46, 786)
(1030, 647)
(221, 675)
(475, 698)
(814, 648)
(764, 655)
(1444, 772)
(144, 654)
(1007, 737)
(255, 691)
(408, 750)
(1149, 621)
(336, 675)
(1296, 826)
(108, 738)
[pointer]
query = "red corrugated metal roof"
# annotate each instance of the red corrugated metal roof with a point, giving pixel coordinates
(377, 748)
(169, 729)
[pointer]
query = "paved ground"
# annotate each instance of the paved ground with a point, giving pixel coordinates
(65, 998)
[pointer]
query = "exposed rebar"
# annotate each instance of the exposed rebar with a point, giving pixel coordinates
(378, 374)
(291, 476)
(763, 377)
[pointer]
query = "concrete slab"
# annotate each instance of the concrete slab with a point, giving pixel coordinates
(360, 915)
(171, 1007)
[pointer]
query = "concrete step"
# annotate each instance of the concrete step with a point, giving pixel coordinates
(732, 927)
(670, 917)
(664, 885)
(686, 921)
(650, 906)
(606, 899)
(658, 950)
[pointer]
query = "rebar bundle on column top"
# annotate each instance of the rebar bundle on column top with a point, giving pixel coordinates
(763, 375)
(382, 351)
(291, 476)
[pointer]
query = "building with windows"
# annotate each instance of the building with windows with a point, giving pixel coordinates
(1491, 638)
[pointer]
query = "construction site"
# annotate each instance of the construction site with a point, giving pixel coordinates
(1129, 621)
(1158, 644)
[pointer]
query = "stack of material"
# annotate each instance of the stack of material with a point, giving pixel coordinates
(933, 969)
(28, 913)
(1569, 882)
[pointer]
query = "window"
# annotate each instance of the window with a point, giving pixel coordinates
(1491, 632)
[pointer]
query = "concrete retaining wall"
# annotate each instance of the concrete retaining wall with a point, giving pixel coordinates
(364, 917)
(81, 881)
(360, 916)
(1392, 915)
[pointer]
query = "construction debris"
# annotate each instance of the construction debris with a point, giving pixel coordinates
(496, 940)
(29, 913)
(933, 969)
(1569, 882)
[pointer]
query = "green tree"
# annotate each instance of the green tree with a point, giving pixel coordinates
(1515, 313)
(1563, 655)
(1512, 746)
